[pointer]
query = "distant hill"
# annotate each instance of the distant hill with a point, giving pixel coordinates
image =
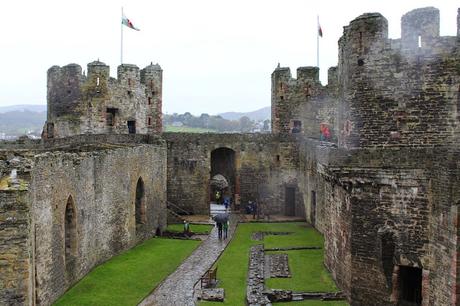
(260, 114)
(23, 107)
(20, 122)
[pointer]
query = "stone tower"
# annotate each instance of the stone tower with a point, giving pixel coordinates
(99, 104)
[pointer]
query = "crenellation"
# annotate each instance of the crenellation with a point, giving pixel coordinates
(101, 104)
(310, 74)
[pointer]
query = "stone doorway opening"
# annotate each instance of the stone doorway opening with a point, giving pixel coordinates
(289, 201)
(410, 286)
(222, 179)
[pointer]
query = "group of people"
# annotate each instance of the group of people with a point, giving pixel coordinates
(222, 229)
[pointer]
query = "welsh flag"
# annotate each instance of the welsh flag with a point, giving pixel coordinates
(128, 23)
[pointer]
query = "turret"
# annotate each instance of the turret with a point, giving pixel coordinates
(280, 79)
(63, 92)
(128, 75)
(152, 78)
(419, 27)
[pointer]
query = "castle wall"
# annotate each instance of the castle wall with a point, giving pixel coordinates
(16, 252)
(101, 183)
(264, 167)
(444, 230)
(366, 199)
(327, 208)
(395, 92)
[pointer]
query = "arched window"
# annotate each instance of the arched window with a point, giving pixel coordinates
(70, 231)
(140, 202)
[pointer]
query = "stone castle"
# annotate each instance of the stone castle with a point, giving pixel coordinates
(383, 188)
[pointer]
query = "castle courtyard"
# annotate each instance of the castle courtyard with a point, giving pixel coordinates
(352, 198)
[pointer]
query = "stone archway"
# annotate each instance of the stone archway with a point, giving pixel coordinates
(223, 175)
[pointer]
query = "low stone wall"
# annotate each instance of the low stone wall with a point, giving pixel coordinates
(256, 277)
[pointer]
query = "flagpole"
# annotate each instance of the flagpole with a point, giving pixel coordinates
(121, 41)
(317, 41)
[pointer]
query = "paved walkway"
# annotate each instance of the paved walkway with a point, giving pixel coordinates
(177, 289)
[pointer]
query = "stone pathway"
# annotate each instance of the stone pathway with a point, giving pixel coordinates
(177, 289)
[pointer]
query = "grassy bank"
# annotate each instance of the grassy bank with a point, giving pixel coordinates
(127, 278)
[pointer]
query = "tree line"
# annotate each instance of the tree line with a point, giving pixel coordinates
(217, 123)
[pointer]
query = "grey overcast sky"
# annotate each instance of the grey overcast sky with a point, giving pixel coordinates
(216, 55)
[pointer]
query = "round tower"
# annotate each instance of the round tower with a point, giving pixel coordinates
(152, 78)
(280, 80)
(360, 48)
(63, 90)
(98, 73)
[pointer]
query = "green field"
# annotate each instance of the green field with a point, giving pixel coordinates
(127, 278)
(186, 129)
(195, 228)
(307, 269)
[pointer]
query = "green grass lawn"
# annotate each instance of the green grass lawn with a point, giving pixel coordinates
(308, 272)
(127, 278)
(195, 228)
(186, 129)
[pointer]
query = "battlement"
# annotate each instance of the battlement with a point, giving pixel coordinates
(300, 105)
(98, 103)
(304, 74)
(368, 34)
(397, 92)
(386, 92)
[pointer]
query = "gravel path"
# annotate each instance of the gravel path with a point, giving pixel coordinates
(177, 289)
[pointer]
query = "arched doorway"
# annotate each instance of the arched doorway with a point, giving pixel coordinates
(223, 177)
(70, 233)
(140, 202)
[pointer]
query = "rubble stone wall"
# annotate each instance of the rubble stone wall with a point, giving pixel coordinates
(264, 167)
(16, 252)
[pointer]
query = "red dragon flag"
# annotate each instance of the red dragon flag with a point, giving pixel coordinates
(128, 23)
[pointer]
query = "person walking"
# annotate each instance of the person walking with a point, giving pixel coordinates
(225, 226)
(219, 229)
